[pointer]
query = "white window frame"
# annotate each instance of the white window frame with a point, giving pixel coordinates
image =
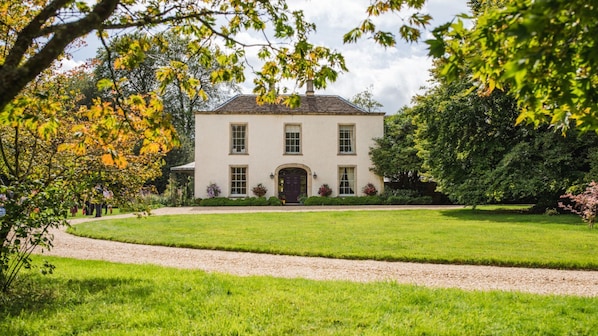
(236, 147)
(346, 144)
(238, 181)
(295, 131)
(347, 187)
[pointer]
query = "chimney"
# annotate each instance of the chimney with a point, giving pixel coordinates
(310, 87)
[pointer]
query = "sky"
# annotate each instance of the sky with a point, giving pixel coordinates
(393, 75)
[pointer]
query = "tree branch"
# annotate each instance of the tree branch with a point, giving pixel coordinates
(15, 76)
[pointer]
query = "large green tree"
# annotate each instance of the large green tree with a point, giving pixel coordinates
(476, 153)
(394, 155)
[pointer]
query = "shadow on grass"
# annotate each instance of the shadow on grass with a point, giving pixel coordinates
(38, 293)
(515, 216)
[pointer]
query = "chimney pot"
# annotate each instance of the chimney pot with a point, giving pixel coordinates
(310, 87)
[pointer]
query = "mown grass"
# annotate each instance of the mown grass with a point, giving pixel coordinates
(100, 298)
(464, 236)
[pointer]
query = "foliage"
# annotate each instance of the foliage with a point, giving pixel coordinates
(324, 190)
(53, 155)
(584, 204)
(367, 200)
(395, 154)
(409, 30)
(30, 215)
(38, 33)
(178, 77)
(366, 101)
(259, 190)
(542, 52)
(476, 154)
(370, 190)
(248, 201)
(213, 190)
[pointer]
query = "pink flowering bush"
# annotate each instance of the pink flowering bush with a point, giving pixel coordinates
(370, 190)
(324, 190)
(584, 204)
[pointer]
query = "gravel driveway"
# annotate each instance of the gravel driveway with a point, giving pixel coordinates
(539, 281)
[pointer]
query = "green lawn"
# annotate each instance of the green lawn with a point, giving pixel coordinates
(100, 298)
(488, 237)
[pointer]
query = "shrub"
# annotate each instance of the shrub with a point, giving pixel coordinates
(324, 190)
(584, 204)
(370, 190)
(275, 201)
(213, 190)
(259, 190)
(249, 201)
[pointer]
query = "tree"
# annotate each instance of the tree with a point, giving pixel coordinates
(541, 52)
(188, 90)
(35, 34)
(52, 154)
(475, 152)
(395, 156)
(366, 101)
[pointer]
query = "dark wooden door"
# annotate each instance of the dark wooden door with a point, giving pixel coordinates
(293, 184)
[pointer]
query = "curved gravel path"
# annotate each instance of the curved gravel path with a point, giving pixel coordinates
(539, 281)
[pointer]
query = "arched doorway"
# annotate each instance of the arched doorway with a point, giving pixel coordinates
(292, 184)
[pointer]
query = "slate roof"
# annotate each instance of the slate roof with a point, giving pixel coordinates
(310, 104)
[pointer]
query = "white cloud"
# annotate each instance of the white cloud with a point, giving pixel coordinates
(69, 64)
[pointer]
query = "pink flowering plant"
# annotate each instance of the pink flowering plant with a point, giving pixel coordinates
(370, 190)
(213, 190)
(324, 190)
(259, 190)
(584, 204)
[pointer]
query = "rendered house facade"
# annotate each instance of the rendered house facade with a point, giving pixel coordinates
(291, 152)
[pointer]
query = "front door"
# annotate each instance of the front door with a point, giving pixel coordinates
(292, 184)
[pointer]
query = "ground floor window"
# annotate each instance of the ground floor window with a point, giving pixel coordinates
(346, 181)
(238, 181)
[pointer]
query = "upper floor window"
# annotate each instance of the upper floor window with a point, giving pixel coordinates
(238, 135)
(346, 139)
(238, 181)
(346, 177)
(292, 139)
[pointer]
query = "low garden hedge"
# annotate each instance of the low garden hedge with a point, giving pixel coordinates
(318, 200)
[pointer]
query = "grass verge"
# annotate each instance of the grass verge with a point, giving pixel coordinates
(100, 298)
(478, 237)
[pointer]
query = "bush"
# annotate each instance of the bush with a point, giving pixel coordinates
(213, 190)
(274, 201)
(249, 201)
(324, 190)
(370, 190)
(357, 200)
(259, 190)
(584, 204)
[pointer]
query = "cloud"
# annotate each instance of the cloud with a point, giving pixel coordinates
(396, 74)
(69, 64)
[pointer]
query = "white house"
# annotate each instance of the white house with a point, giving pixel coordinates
(290, 151)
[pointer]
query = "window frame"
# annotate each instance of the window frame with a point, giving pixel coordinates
(351, 182)
(234, 187)
(299, 140)
(233, 139)
(342, 146)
